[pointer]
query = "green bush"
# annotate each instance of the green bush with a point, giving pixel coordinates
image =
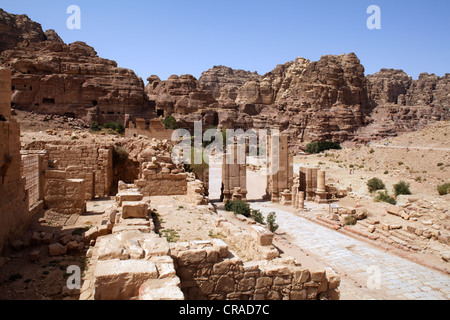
(385, 197)
(271, 218)
(229, 206)
(116, 126)
(170, 123)
(257, 216)
(350, 221)
(94, 127)
(401, 188)
(238, 207)
(444, 189)
(319, 146)
(375, 184)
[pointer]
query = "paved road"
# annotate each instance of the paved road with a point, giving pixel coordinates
(379, 274)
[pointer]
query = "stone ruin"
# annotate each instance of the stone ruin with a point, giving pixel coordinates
(128, 258)
(130, 261)
(153, 129)
(14, 204)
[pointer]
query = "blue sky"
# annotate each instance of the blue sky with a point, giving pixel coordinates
(168, 37)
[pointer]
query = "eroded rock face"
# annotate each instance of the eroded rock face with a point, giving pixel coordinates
(51, 77)
(17, 28)
(224, 82)
(329, 99)
(403, 104)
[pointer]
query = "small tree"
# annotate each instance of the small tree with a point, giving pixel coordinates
(271, 218)
(170, 123)
(385, 197)
(401, 188)
(444, 189)
(94, 127)
(319, 146)
(257, 216)
(238, 207)
(375, 184)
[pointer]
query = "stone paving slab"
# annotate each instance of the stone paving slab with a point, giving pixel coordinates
(398, 278)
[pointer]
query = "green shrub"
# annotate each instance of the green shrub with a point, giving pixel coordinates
(94, 127)
(444, 189)
(115, 126)
(229, 206)
(170, 123)
(350, 221)
(319, 146)
(401, 188)
(271, 218)
(385, 197)
(375, 184)
(257, 216)
(238, 207)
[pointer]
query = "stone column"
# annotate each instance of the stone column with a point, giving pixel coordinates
(321, 194)
(320, 181)
(301, 200)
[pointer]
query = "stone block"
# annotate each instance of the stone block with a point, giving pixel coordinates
(34, 255)
(121, 280)
(161, 289)
(128, 195)
(134, 209)
(262, 236)
(57, 249)
(154, 245)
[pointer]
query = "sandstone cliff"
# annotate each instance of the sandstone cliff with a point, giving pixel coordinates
(17, 28)
(51, 77)
(329, 99)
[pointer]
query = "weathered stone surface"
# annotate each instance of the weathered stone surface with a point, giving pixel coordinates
(57, 249)
(161, 289)
(262, 236)
(134, 209)
(52, 77)
(18, 28)
(121, 280)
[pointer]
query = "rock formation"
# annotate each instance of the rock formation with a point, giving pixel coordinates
(329, 99)
(51, 77)
(17, 28)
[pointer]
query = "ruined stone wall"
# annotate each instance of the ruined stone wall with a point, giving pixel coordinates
(33, 166)
(97, 157)
(66, 196)
(14, 214)
(155, 130)
(85, 173)
(162, 184)
(206, 273)
(160, 177)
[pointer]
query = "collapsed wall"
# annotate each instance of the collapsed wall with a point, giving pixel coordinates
(130, 261)
(14, 215)
(92, 162)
